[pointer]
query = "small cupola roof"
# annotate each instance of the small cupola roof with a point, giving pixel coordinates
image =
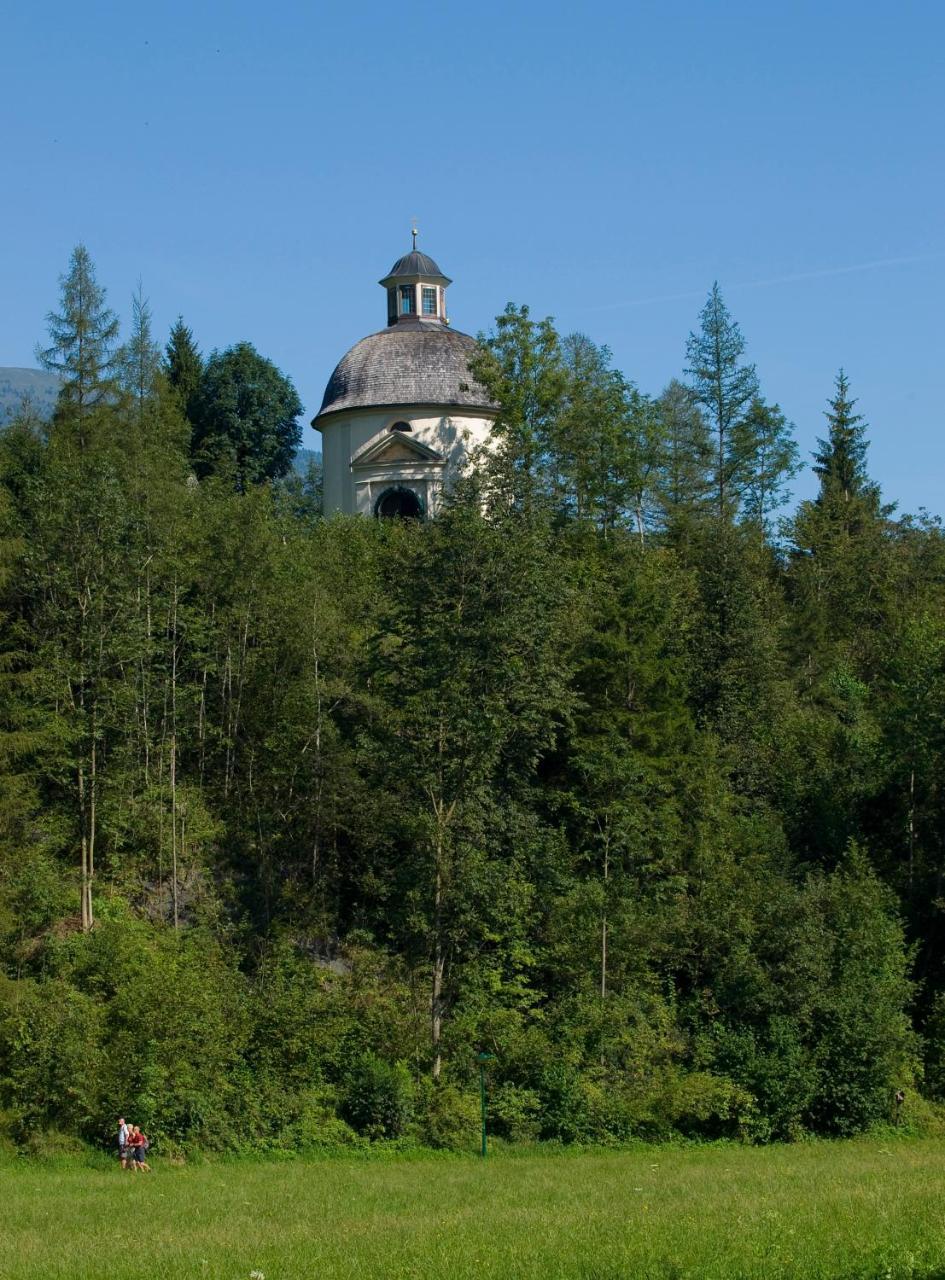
(415, 266)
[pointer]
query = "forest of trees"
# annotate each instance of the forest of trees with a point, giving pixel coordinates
(621, 769)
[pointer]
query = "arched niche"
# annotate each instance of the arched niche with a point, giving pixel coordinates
(399, 503)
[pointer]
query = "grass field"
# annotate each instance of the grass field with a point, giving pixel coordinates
(863, 1209)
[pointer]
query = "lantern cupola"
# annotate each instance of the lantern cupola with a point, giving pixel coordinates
(416, 290)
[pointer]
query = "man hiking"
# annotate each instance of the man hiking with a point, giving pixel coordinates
(124, 1134)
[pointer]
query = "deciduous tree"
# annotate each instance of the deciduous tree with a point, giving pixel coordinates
(245, 416)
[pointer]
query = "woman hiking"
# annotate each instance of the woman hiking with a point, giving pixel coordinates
(139, 1146)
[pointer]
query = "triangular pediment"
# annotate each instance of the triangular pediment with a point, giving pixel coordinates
(392, 449)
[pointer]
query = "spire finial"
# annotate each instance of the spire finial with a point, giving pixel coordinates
(413, 232)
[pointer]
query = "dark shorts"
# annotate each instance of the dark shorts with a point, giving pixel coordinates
(139, 1155)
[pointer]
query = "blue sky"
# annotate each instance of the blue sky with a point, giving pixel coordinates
(258, 168)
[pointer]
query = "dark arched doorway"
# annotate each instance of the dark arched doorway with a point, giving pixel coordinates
(402, 504)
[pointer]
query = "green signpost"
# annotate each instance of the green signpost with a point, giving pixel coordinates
(482, 1059)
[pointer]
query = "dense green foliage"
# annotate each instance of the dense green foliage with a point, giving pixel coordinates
(599, 771)
(244, 414)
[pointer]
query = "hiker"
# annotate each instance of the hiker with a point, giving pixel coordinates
(139, 1146)
(124, 1133)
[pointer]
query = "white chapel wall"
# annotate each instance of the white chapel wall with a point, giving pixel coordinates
(454, 435)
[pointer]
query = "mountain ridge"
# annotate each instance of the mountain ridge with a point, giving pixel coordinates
(36, 385)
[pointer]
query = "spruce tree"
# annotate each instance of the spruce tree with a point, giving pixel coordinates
(842, 572)
(83, 334)
(840, 460)
(183, 365)
(725, 388)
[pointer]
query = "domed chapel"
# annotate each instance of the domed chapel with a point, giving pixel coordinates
(401, 412)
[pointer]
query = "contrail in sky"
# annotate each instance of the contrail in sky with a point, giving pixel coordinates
(762, 284)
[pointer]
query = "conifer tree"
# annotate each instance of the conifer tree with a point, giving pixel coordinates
(725, 388)
(83, 334)
(140, 358)
(842, 571)
(183, 365)
(840, 460)
(848, 503)
(766, 438)
(684, 483)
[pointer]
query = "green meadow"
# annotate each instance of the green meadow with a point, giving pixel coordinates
(865, 1208)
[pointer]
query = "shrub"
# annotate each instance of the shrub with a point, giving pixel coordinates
(563, 1103)
(378, 1097)
(515, 1113)
(319, 1128)
(48, 1144)
(701, 1105)
(775, 1066)
(451, 1119)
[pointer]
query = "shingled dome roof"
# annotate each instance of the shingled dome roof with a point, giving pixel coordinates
(423, 363)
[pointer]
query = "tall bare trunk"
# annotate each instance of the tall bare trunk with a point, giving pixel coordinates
(93, 796)
(84, 883)
(439, 970)
(443, 814)
(145, 683)
(174, 899)
(174, 883)
(228, 703)
(316, 842)
(161, 830)
(603, 923)
(911, 825)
